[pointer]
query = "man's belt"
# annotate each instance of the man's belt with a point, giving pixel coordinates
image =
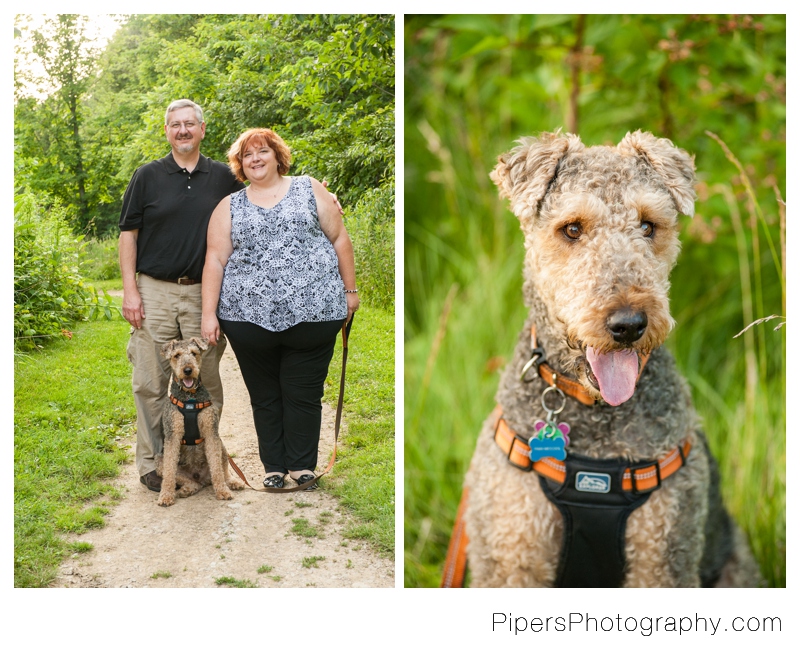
(183, 281)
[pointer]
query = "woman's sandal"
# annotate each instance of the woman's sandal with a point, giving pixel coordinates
(274, 481)
(302, 479)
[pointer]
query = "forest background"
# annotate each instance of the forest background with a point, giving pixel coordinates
(85, 119)
(714, 85)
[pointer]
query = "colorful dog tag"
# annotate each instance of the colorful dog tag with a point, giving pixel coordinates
(550, 440)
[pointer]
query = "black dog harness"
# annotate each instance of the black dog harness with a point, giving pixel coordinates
(595, 509)
(190, 409)
(595, 497)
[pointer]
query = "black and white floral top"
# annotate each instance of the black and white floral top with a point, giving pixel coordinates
(283, 269)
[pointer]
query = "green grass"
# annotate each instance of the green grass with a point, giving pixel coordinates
(234, 583)
(303, 528)
(72, 403)
(363, 477)
(311, 561)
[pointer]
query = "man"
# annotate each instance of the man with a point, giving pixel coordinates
(165, 214)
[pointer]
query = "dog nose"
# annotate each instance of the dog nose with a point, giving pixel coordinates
(627, 326)
(187, 371)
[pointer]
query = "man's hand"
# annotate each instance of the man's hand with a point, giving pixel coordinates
(132, 307)
(335, 199)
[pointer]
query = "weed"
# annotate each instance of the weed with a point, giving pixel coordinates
(80, 547)
(302, 528)
(234, 583)
(311, 561)
(264, 568)
(161, 574)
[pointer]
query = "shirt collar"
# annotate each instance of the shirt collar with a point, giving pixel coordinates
(173, 167)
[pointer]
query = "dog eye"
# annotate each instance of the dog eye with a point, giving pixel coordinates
(572, 231)
(648, 229)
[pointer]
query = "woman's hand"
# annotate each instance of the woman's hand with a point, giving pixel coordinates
(209, 329)
(352, 304)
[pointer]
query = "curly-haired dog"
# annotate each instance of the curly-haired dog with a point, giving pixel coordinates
(605, 479)
(194, 455)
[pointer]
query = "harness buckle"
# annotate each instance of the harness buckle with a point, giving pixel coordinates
(644, 466)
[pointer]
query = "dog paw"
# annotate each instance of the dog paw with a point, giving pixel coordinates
(224, 494)
(235, 484)
(166, 499)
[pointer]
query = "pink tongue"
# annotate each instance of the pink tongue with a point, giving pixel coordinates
(616, 374)
(188, 382)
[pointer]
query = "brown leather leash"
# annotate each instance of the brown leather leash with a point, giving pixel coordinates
(293, 489)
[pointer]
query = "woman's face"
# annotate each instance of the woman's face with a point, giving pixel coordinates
(258, 161)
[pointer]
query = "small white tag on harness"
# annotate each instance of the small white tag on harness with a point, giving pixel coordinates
(593, 482)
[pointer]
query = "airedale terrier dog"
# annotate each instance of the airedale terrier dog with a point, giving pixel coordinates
(194, 455)
(593, 470)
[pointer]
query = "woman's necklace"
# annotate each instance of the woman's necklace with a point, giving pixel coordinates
(270, 193)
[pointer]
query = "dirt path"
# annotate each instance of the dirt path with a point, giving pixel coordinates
(295, 538)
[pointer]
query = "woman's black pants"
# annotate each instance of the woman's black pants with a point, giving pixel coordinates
(285, 375)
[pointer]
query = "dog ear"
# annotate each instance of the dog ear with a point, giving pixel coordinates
(166, 349)
(674, 165)
(523, 175)
(202, 343)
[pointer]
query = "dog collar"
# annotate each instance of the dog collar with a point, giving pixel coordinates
(637, 478)
(191, 391)
(569, 386)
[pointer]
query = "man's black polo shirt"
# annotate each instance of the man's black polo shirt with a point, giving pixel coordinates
(171, 208)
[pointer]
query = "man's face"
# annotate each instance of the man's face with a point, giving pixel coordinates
(183, 131)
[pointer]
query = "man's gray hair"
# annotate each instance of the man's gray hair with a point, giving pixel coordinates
(180, 104)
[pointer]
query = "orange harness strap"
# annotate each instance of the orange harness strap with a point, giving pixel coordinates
(644, 479)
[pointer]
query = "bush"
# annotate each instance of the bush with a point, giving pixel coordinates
(371, 228)
(99, 261)
(49, 292)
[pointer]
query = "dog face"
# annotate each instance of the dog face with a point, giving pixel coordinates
(184, 359)
(600, 228)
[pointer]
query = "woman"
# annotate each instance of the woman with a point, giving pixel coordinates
(279, 280)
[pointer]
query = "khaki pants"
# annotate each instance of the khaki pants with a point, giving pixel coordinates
(171, 311)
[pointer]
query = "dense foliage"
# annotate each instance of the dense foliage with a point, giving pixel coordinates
(476, 83)
(49, 290)
(325, 83)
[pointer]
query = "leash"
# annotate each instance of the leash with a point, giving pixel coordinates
(346, 327)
